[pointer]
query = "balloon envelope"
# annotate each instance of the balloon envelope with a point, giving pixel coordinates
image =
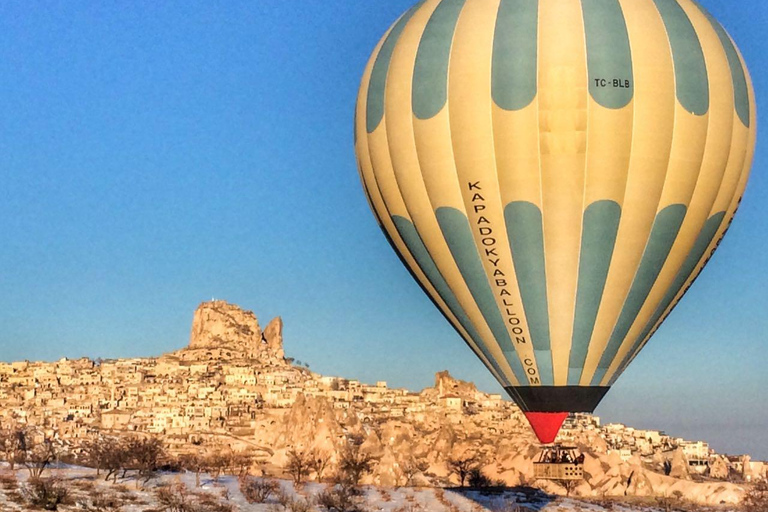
(555, 174)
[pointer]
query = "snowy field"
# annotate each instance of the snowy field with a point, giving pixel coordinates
(89, 492)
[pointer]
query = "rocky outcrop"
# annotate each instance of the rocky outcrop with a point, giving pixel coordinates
(224, 331)
(219, 323)
(446, 385)
(679, 463)
(752, 470)
(719, 469)
(311, 424)
(273, 338)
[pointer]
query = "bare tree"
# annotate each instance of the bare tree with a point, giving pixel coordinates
(463, 466)
(568, 485)
(299, 463)
(107, 453)
(410, 468)
(240, 463)
(194, 462)
(11, 436)
(174, 498)
(319, 464)
(354, 464)
(216, 463)
(37, 452)
(147, 453)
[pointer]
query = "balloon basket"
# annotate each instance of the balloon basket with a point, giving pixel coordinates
(558, 462)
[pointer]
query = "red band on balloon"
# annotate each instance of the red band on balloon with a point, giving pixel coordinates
(546, 425)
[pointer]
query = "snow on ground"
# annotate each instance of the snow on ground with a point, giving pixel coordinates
(86, 485)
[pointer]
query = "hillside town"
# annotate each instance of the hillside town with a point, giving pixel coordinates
(234, 387)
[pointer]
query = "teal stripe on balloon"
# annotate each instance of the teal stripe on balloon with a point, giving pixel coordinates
(697, 254)
(598, 377)
(458, 235)
(691, 78)
(544, 363)
(609, 58)
(420, 253)
(526, 241)
(430, 79)
(598, 240)
(378, 83)
(740, 88)
(515, 54)
(663, 235)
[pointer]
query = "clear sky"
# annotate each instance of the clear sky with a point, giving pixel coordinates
(154, 155)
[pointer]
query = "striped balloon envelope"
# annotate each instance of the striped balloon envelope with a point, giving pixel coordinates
(555, 174)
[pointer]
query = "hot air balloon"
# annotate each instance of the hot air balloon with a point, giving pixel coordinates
(555, 174)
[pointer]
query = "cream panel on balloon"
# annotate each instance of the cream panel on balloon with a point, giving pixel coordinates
(653, 127)
(737, 175)
(472, 145)
(708, 176)
(563, 138)
(392, 214)
(408, 143)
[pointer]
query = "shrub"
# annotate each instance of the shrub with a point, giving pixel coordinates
(669, 503)
(291, 504)
(756, 499)
(45, 493)
(102, 502)
(479, 479)
(409, 507)
(8, 481)
(258, 490)
(341, 498)
(86, 486)
(207, 502)
(177, 498)
(173, 498)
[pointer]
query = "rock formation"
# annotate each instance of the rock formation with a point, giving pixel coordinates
(445, 384)
(273, 338)
(223, 330)
(219, 323)
(679, 464)
(719, 469)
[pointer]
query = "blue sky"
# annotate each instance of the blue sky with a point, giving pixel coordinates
(154, 155)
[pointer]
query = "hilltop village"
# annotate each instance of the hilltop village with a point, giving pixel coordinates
(233, 388)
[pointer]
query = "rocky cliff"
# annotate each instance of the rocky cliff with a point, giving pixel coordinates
(221, 329)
